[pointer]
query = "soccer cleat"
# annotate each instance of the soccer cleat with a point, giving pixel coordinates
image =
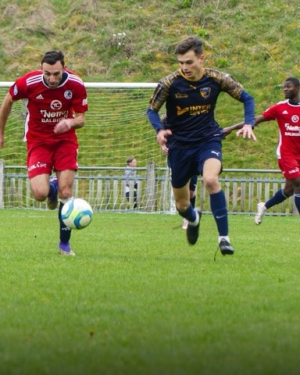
(185, 224)
(261, 210)
(64, 249)
(192, 232)
(52, 201)
(225, 247)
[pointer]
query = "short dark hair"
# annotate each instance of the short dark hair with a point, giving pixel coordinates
(51, 57)
(129, 159)
(191, 43)
(295, 81)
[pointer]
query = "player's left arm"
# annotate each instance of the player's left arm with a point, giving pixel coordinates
(236, 90)
(70, 123)
(79, 107)
(249, 116)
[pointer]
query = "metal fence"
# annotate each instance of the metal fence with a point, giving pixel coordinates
(104, 188)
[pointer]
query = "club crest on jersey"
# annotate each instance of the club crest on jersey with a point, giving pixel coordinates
(68, 94)
(55, 105)
(295, 118)
(205, 92)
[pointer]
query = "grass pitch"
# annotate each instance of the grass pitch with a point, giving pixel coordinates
(137, 299)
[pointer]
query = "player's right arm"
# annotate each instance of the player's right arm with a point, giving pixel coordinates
(157, 100)
(5, 110)
(161, 133)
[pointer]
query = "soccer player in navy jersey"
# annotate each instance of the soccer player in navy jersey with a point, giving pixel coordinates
(56, 101)
(287, 115)
(193, 138)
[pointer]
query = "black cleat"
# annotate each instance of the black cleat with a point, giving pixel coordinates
(225, 247)
(192, 232)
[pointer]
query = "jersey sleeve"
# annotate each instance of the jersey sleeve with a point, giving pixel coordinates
(159, 97)
(271, 113)
(232, 86)
(80, 101)
(227, 83)
(161, 91)
(19, 89)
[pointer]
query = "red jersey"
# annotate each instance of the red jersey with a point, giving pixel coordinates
(46, 107)
(287, 116)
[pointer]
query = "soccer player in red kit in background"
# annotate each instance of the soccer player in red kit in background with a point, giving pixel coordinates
(56, 101)
(287, 115)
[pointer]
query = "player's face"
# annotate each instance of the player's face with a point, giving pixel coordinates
(290, 91)
(52, 74)
(191, 65)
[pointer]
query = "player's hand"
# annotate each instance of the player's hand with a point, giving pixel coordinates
(162, 137)
(63, 126)
(1, 141)
(247, 132)
(164, 149)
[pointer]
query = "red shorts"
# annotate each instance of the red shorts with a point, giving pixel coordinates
(290, 167)
(42, 158)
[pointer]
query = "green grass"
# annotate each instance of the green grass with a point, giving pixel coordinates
(137, 299)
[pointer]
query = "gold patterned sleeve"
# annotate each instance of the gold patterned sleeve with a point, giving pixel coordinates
(161, 92)
(228, 83)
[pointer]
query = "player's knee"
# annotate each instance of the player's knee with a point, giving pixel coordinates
(65, 193)
(39, 194)
(288, 192)
(182, 205)
(295, 186)
(211, 183)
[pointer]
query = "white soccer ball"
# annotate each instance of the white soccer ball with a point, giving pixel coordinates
(77, 213)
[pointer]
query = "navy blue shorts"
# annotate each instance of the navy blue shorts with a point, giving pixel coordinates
(185, 164)
(193, 182)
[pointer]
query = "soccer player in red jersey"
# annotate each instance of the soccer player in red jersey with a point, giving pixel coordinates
(56, 102)
(287, 115)
(193, 138)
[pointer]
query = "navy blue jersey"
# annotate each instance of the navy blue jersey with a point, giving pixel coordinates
(190, 105)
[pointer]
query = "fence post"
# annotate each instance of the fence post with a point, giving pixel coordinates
(115, 193)
(107, 194)
(98, 198)
(1, 183)
(150, 188)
